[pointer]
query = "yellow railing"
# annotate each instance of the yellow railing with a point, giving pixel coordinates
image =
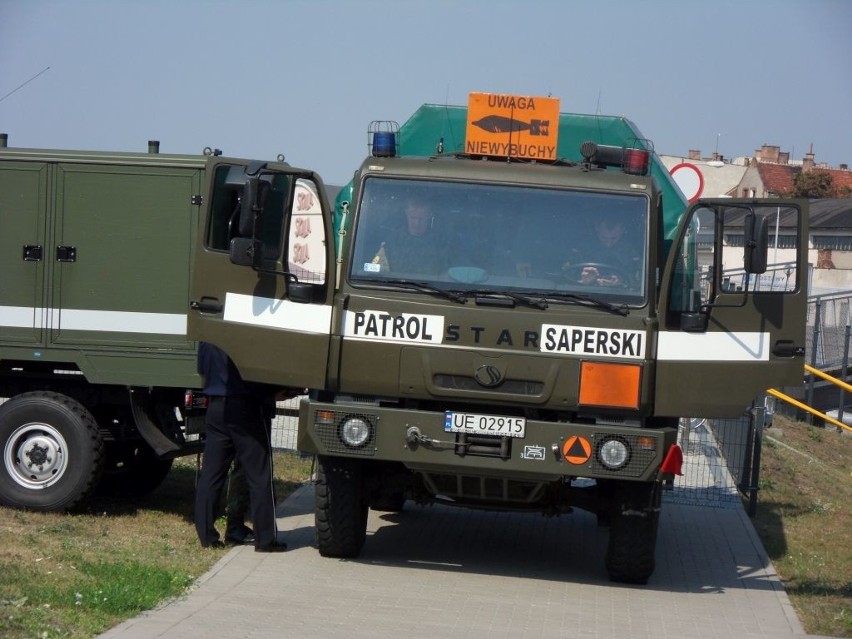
(807, 408)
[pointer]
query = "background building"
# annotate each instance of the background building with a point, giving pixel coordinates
(771, 173)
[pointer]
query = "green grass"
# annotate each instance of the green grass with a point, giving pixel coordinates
(74, 575)
(804, 518)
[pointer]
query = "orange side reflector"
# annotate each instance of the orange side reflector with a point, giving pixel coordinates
(605, 384)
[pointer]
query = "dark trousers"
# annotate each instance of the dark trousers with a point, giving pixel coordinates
(236, 427)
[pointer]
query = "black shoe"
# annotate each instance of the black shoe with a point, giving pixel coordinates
(213, 544)
(278, 546)
(241, 536)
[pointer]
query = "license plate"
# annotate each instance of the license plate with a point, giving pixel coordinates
(495, 425)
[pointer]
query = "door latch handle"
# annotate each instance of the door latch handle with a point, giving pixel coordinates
(786, 348)
(206, 305)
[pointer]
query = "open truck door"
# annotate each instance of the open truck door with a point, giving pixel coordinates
(262, 281)
(733, 306)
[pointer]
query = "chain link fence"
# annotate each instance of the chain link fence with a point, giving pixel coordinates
(721, 460)
(828, 330)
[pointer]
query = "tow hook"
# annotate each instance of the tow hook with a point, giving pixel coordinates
(415, 438)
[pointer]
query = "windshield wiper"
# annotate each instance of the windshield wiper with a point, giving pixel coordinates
(422, 286)
(621, 309)
(482, 296)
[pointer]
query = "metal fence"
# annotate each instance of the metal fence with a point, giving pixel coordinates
(722, 456)
(721, 460)
(285, 425)
(828, 330)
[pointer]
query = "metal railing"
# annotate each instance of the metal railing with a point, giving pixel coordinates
(721, 461)
(828, 323)
(810, 409)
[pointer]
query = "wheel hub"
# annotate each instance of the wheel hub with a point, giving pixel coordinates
(35, 455)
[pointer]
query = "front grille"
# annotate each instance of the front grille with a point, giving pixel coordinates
(467, 383)
(330, 440)
(473, 488)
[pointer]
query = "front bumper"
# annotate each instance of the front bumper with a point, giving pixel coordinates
(548, 451)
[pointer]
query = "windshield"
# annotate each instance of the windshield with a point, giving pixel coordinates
(483, 237)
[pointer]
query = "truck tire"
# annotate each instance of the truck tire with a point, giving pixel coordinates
(634, 520)
(52, 452)
(132, 470)
(340, 511)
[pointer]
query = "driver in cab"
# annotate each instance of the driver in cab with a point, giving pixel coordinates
(610, 260)
(413, 248)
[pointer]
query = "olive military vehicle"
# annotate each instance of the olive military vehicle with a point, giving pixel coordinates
(468, 340)
(95, 256)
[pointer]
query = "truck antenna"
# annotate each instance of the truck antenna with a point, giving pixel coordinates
(21, 86)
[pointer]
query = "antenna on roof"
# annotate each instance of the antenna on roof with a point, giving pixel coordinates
(21, 86)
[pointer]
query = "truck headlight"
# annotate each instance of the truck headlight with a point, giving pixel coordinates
(613, 453)
(355, 431)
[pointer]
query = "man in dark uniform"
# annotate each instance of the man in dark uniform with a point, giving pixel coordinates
(608, 260)
(414, 248)
(237, 425)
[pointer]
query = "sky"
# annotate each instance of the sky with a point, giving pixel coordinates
(304, 79)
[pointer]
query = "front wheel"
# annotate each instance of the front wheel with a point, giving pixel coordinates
(634, 520)
(340, 512)
(52, 452)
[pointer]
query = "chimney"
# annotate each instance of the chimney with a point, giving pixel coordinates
(767, 153)
(784, 157)
(694, 154)
(4, 140)
(808, 162)
(153, 146)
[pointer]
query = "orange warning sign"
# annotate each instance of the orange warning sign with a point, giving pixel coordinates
(512, 126)
(577, 450)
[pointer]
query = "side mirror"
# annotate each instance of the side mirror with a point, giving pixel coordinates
(255, 192)
(300, 292)
(756, 245)
(245, 251)
(694, 322)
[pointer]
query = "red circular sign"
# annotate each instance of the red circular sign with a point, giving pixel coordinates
(689, 180)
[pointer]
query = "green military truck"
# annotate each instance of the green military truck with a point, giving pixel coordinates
(95, 257)
(489, 353)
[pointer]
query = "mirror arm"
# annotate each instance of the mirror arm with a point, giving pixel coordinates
(271, 271)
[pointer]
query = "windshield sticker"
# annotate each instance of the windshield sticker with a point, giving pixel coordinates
(587, 340)
(386, 327)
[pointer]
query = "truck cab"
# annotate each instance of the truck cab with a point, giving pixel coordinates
(500, 333)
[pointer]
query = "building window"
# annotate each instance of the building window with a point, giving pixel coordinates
(832, 242)
(784, 241)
